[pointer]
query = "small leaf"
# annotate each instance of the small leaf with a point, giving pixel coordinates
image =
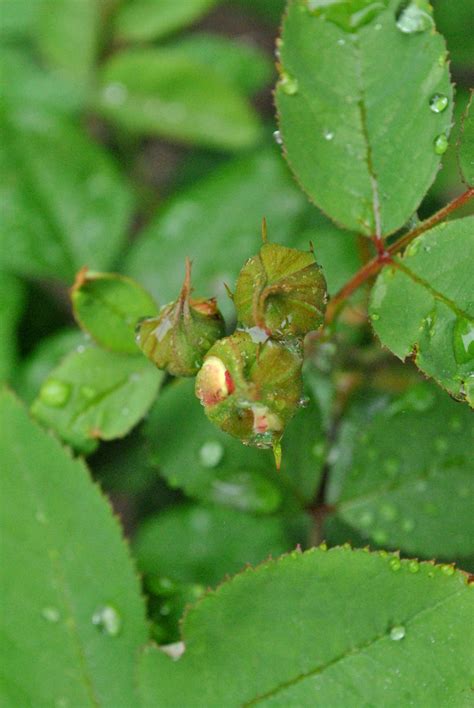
(199, 544)
(435, 324)
(96, 395)
(352, 145)
(466, 146)
(404, 477)
(162, 92)
(108, 307)
(64, 563)
(320, 623)
(142, 20)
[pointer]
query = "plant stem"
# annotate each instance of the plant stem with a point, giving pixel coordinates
(384, 256)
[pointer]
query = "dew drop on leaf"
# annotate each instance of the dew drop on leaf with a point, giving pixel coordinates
(397, 633)
(395, 564)
(413, 566)
(211, 453)
(463, 340)
(328, 135)
(441, 144)
(55, 393)
(51, 614)
(416, 17)
(447, 570)
(438, 103)
(289, 85)
(107, 620)
(277, 137)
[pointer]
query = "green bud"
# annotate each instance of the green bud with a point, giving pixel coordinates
(282, 291)
(251, 389)
(179, 337)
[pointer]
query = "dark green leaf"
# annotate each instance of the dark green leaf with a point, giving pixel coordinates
(163, 92)
(466, 148)
(198, 544)
(424, 307)
(108, 307)
(403, 478)
(139, 20)
(360, 141)
(12, 300)
(96, 395)
(326, 628)
(64, 568)
(66, 205)
(453, 22)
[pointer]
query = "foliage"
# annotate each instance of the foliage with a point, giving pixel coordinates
(137, 139)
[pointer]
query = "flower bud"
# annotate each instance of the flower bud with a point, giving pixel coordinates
(282, 291)
(250, 389)
(179, 337)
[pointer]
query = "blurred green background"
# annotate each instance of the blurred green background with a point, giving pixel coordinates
(135, 133)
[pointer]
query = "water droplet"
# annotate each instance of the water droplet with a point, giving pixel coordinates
(347, 15)
(328, 134)
(323, 546)
(366, 518)
(108, 620)
(374, 317)
(115, 94)
(277, 137)
(211, 453)
(408, 525)
(441, 144)
(380, 536)
(304, 402)
(463, 340)
(55, 393)
(413, 566)
(397, 633)
(442, 59)
(416, 17)
(341, 42)
(51, 614)
(288, 84)
(447, 570)
(395, 564)
(388, 512)
(439, 102)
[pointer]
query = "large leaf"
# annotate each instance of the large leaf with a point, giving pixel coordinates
(216, 222)
(466, 149)
(66, 205)
(75, 618)
(198, 544)
(424, 306)
(96, 395)
(323, 628)
(140, 20)
(108, 307)
(12, 300)
(402, 474)
(163, 92)
(362, 140)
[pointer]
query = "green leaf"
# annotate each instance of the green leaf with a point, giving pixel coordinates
(12, 301)
(209, 465)
(198, 544)
(466, 147)
(63, 561)
(163, 92)
(66, 33)
(108, 307)
(141, 20)
(244, 65)
(66, 205)
(435, 324)
(96, 395)
(208, 223)
(452, 25)
(329, 628)
(403, 476)
(361, 142)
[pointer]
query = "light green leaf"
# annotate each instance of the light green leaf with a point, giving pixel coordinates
(141, 20)
(244, 65)
(424, 306)
(12, 300)
(362, 143)
(163, 92)
(66, 205)
(66, 33)
(403, 478)
(198, 544)
(466, 148)
(209, 223)
(209, 465)
(108, 307)
(96, 395)
(327, 628)
(64, 566)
